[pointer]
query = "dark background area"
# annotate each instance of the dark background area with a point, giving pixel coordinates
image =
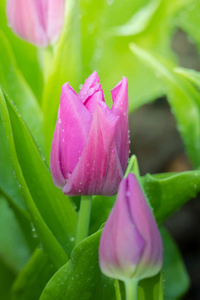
(159, 148)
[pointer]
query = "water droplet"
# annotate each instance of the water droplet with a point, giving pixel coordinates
(124, 113)
(80, 86)
(72, 239)
(34, 233)
(59, 121)
(79, 190)
(63, 140)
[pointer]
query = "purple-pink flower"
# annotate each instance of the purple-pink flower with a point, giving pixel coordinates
(37, 21)
(90, 146)
(130, 245)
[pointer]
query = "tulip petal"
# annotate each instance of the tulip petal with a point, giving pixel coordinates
(90, 87)
(55, 161)
(121, 243)
(146, 224)
(72, 130)
(94, 170)
(120, 107)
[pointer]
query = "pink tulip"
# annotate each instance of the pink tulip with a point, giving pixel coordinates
(90, 146)
(37, 21)
(130, 245)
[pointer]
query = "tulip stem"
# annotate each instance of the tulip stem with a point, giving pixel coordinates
(84, 218)
(131, 289)
(117, 290)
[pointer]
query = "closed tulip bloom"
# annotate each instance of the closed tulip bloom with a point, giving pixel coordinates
(90, 146)
(37, 21)
(130, 245)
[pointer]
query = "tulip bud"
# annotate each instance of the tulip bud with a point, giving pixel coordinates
(37, 21)
(90, 146)
(130, 245)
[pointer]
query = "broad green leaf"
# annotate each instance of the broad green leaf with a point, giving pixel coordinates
(6, 281)
(183, 98)
(49, 242)
(14, 251)
(192, 75)
(166, 195)
(165, 192)
(33, 278)
(66, 66)
(176, 280)
(26, 55)
(54, 206)
(9, 184)
(13, 82)
(81, 277)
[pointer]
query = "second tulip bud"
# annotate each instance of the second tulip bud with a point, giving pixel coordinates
(39, 22)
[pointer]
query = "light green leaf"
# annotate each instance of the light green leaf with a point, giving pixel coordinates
(192, 75)
(188, 20)
(176, 280)
(13, 82)
(32, 279)
(183, 98)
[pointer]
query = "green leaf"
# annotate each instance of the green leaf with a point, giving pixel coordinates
(33, 278)
(25, 54)
(81, 277)
(45, 196)
(151, 288)
(53, 205)
(13, 82)
(183, 98)
(168, 194)
(6, 280)
(14, 251)
(192, 75)
(188, 20)
(175, 275)
(66, 66)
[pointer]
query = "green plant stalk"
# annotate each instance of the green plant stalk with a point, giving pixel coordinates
(84, 218)
(131, 289)
(117, 290)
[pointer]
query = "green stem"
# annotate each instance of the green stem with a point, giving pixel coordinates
(84, 218)
(131, 289)
(117, 290)
(46, 58)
